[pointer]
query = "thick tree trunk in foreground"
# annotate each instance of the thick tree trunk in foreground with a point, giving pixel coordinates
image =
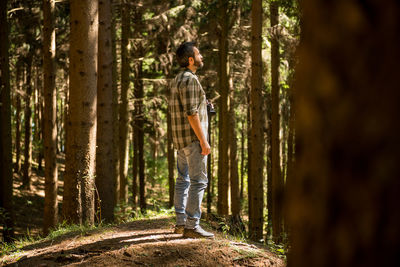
(343, 200)
(105, 180)
(50, 115)
(223, 143)
(81, 134)
(6, 178)
(256, 162)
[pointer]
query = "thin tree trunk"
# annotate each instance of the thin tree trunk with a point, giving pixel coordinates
(223, 144)
(277, 182)
(78, 205)
(269, 165)
(19, 81)
(135, 165)
(171, 161)
(105, 180)
(257, 136)
(123, 111)
(50, 117)
(234, 176)
(6, 178)
(139, 112)
(27, 167)
(115, 109)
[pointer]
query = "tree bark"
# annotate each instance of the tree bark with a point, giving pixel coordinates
(123, 111)
(343, 200)
(19, 80)
(50, 117)
(6, 178)
(233, 156)
(78, 203)
(27, 167)
(257, 135)
(115, 109)
(223, 143)
(277, 182)
(171, 160)
(105, 180)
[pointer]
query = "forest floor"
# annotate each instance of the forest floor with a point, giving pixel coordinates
(141, 242)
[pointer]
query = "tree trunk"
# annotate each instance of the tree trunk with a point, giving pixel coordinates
(19, 81)
(233, 156)
(277, 182)
(38, 137)
(171, 160)
(223, 144)
(269, 165)
(257, 135)
(115, 109)
(105, 180)
(139, 112)
(27, 167)
(6, 178)
(81, 135)
(50, 117)
(343, 203)
(123, 111)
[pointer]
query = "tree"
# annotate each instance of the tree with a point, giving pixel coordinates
(6, 178)
(78, 203)
(115, 109)
(105, 178)
(223, 114)
(277, 181)
(50, 115)
(139, 107)
(27, 167)
(343, 201)
(256, 161)
(123, 109)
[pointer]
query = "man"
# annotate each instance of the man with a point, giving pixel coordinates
(188, 108)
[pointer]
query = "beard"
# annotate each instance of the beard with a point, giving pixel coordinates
(198, 64)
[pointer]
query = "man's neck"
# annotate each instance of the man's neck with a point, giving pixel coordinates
(192, 68)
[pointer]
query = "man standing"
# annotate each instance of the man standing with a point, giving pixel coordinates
(188, 108)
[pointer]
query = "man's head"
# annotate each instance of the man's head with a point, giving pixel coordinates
(188, 55)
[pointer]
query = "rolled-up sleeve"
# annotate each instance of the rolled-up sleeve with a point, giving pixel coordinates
(190, 93)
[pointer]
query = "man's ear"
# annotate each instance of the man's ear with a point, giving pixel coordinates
(191, 60)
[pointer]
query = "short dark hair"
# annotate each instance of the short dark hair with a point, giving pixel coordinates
(184, 51)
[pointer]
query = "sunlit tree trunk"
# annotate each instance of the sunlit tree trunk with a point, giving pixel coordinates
(223, 143)
(78, 205)
(343, 200)
(105, 180)
(50, 116)
(123, 109)
(256, 163)
(6, 178)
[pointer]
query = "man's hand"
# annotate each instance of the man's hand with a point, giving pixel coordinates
(205, 148)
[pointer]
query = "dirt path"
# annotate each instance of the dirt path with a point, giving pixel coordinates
(140, 243)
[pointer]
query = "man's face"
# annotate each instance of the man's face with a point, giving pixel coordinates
(198, 58)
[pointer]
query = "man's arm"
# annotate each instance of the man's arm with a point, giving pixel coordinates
(196, 126)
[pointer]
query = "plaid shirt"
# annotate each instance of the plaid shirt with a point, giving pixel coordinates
(186, 98)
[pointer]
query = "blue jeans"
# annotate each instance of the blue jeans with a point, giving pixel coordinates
(190, 185)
